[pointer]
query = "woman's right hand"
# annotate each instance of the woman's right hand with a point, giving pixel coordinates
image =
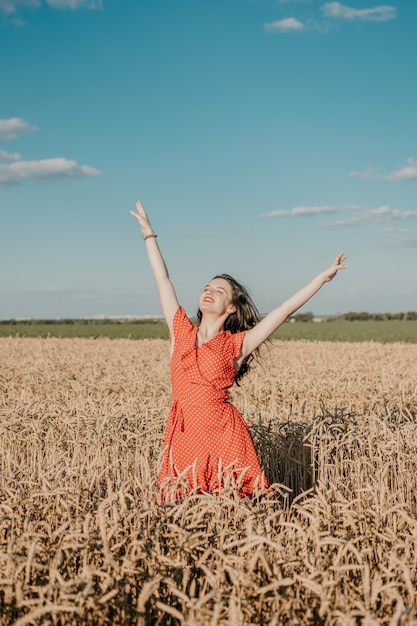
(143, 219)
(166, 290)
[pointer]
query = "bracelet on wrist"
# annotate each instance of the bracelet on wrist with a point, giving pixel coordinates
(150, 235)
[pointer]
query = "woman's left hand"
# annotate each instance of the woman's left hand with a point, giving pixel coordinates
(337, 265)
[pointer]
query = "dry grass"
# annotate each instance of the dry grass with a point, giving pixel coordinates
(83, 541)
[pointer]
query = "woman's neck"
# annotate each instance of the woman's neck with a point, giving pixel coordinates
(209, 329)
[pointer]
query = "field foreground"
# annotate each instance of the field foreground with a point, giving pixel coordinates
(83, 542)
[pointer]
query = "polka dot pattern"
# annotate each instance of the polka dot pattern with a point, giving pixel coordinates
(207, 443)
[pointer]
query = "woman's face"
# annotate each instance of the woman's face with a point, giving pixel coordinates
(217, 297)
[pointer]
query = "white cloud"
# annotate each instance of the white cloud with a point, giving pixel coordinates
(9, 7)
(7, 156)
(367, 174)
(378, 214)
(380, 13)
(75, 4)
(410, 242)
(334, 11)
(12, 6)
(350, 221)
(46, 169)
(352, 207)
(11, 128)
(380, 211)
(409, 172)
(406, 173)
(394, 229)
(405, 215)
(301, 210)
(15, 170)
(386, 214)
(290, 23)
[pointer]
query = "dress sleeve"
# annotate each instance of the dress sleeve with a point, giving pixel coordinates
(237, 341)
(181, 323)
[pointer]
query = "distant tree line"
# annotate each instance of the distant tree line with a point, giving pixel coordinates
(298, 317)
(81, 321)
(362, 316)
(303, 317)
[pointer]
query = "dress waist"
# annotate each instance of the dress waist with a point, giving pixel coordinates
(214, 398)
(210, 397)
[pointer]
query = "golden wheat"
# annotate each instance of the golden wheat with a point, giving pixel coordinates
(83, 540)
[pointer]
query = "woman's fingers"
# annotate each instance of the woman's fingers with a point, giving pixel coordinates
(340, 258)
(140, 209)
(135, 215)
(141, 213)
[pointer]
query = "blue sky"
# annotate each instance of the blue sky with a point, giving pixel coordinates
(263, 137)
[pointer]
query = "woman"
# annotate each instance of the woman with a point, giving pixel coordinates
(207, 444)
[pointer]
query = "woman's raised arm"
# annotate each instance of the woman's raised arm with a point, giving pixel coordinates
(166, 289)
(264, 329)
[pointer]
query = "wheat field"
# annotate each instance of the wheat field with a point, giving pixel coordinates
(84, 542)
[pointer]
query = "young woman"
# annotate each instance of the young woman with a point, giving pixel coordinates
(207, 444)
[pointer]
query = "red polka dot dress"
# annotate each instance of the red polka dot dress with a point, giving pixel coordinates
(207, 443)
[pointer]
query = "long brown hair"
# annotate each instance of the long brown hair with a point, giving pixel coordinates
(245, 317)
